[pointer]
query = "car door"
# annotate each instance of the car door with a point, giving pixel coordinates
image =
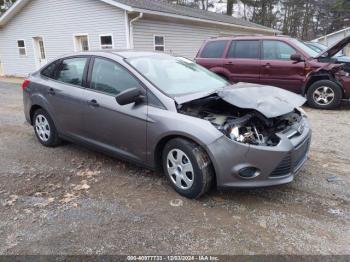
(65, 94)
(211, 56)
(121, 130)
(277, 69)
(243, 61)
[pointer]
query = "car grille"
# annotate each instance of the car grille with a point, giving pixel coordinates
(287, 165)
(284, 167)
(300, 153)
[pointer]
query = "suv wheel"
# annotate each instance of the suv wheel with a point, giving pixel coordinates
(188, 168)
(324, 94)
(45, 129)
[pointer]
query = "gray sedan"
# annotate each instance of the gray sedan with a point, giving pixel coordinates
(168, 113)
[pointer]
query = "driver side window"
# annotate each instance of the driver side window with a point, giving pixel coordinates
(277, 50)
(111, 78)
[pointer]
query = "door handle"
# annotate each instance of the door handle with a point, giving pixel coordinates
(51, 92)
(93, 103)
(268, 65)
(228, 63)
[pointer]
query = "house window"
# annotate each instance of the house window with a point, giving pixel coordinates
(81, 42)
(159, 43)
(21, 48)
(106, 41)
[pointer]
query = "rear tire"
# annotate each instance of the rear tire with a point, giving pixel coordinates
(324, 94)
(188, 168)
(45, 130)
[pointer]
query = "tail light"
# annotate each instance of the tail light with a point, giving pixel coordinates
(25, 83)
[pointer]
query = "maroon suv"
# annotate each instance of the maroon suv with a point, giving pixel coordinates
(280, 61)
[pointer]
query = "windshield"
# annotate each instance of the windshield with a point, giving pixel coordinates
(305, 48)
(316, 48)
(321, 48)
(177, 76)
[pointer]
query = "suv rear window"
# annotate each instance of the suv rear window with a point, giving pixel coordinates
(244, 49)
(214, 49)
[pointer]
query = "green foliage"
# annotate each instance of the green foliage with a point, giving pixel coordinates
(5, 4)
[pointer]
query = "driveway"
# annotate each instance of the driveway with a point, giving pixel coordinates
(70, 200)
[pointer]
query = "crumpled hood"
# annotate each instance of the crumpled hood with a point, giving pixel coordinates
(268, 100)
(333, 50)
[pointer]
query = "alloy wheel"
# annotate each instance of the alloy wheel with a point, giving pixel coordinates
(180, 169)
(323, 95)
(42, 128)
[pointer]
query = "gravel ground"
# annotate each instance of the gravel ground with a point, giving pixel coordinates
(69, 200)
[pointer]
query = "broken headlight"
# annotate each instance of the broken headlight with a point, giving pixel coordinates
(302, 112)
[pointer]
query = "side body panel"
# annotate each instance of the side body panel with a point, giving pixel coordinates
(121, 129)
(288, 75)
(242, 69)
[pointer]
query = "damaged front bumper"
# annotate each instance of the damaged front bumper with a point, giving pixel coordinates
(272, 165)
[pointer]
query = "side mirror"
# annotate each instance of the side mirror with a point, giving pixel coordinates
(296, 57)
(129, 96)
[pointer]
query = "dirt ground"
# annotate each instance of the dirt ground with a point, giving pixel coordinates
(70, 200)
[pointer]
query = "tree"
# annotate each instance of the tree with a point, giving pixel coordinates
(4, 5)
(229, 8)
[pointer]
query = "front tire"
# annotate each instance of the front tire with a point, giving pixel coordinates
(187, 167)
(45, 129)
(324, 94)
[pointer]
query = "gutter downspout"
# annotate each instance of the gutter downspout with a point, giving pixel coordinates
(132, 29)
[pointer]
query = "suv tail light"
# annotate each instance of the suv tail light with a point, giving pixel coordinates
(25, 83)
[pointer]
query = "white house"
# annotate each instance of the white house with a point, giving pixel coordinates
(32, 32)
(334, 38)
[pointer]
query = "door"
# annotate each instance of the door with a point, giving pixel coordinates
(115, 128)
(65, 95)
(278, 70)
(243, 61)
(39, 52)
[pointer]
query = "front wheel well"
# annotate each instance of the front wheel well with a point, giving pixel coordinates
(160, 146)
(32, 112)
(317, 78)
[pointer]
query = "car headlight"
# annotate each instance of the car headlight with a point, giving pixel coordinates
(302, 112)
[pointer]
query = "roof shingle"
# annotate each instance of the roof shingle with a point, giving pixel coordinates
(166, 7)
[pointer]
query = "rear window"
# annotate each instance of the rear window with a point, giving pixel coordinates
(244, 49)
(71, 71)
(50, 69)
(214, 49)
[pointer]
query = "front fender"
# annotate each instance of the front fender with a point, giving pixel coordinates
(163, 125)
(314, 77)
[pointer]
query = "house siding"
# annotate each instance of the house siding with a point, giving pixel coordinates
(181, 39)
(57, 22)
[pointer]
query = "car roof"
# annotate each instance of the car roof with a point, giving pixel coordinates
(250, 37)
(124, 53)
